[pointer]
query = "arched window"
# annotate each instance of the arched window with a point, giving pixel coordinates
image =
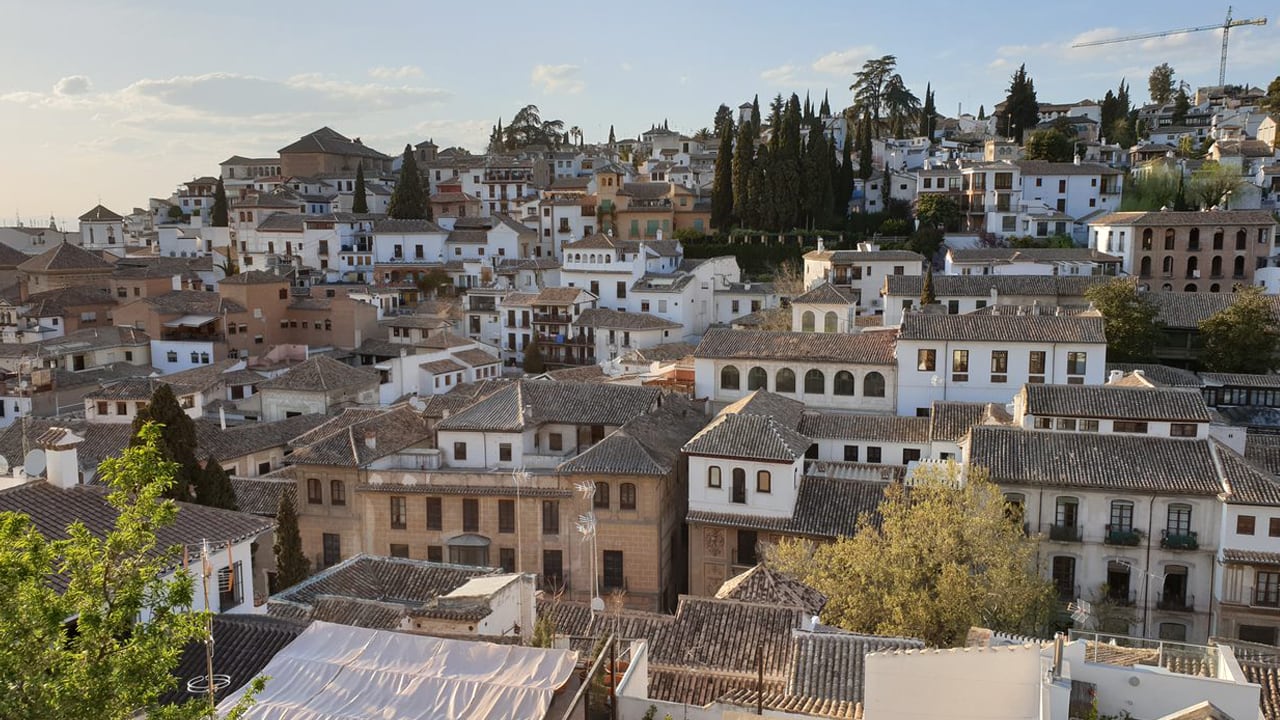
(713, 476)
(806, 321)
(757, 379)
(315, 495)
(785, 381)
(1215, 288)
(738, 493)
(831, 322)
(1238, 268)
(1191, 287)
(873, 385)
(1146, 239)
(1166, 287)
(844, 384)
(337, 492)
(601, 499)
(815, 383)
(1215, 266)
(1166, 265)
(1168, 239)
(1193, 240)
(1193, 266)
(1242, 239)
(1146, 267)
(627, 496)
(764, 481)
(1217, 239)
(729, 378)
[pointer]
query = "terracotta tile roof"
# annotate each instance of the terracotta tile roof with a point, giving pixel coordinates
(261, 496)
(283, 222)
(1159, 375)
(254, 277)
(1240, 380)
(245, 644)
(648, 444)
(1263, 451)
(1251, 557)
(475, 357)
(428, 322)
(99, 213)
(341, 441)
(192, 302)
(558, 296)
(688, 686)
(666, 352)
(53, 510)
(393, 225)
(948, 286)
(843, 257)
(1104, 461)
(615, 320)
(1044, 167)
(825, 508)
(11, 257)
(65, 256)
(826, 294)
(866, 348)
(867, 427)
(329, 142)
(646, 190)
(754, 437)
(761, 584)
(786, 411)
(831, 666)
(583, 373)
(724, 635)
(949, 421)
(1003, 328)
(1122, 403)
(1268, 676)
(323, 374)
(521, 403)
(54, 303)
(101, 440)
(1247, 483)
(595, 241)
(793, 704)
(1185, 311)
(1171, 218)
(241, 440)
(437, 367)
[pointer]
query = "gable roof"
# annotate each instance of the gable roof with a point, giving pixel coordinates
(945, 286)
(65, 256)
(951, 420)
(240, 440)
(254, 277)
(870, 348)
(386, 579)
(100, 213)
(1004, 328)
(1185, 311)
(648, 444)
(329, 141)
(245, 643)
(826, 507)
(1166, 218)
(889, 428)
(519, 404)
(754, 437)
(824, 294)
(1112, 402)
(1158, 375)
(341, 441)
(321, 373)
(616, 320)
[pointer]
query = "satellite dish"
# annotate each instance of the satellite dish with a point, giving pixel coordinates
(34, 463)
(597, 604)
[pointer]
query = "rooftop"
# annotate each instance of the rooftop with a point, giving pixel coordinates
(524, 403)
(873, 347)
(1004, 328)
(323, 374)
(1120, 403)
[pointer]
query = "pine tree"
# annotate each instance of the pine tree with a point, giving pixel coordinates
(408, 201)
(214, 487)
(534, 363)
(982, 112)
(218, 215)
(825, 110)
(291, 565)
(927, 297)
(744, 151)
(865, 158)
(178, 439)
(722, 187)
(613, 140)
(724, 117)
(843, 188)
(1022, 110)
(928, 113)
(359, 201)
(760, 202)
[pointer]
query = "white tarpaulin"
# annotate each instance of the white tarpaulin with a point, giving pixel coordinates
(339, 672)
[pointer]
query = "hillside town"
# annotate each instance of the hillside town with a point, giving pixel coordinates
(652, 426)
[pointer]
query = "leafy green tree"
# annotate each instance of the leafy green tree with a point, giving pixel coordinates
(1021, 110)
(1132, 326)
(359, 196)
(408, 200)
(926, 241)
(1160, 83)
(214, 488)
(869, 89)
(1242, 338)
(534, 363)
(1271, 101)
(902, 106)
(945, 555)
(744, 155)
(292, 566)
(1212, 184)
(1157, 187)
(218, 214)
(936, 210)
(1181, 106)
(722, 185)
(111, 666)
(927, 296)
(178, 439)
(1051, 145)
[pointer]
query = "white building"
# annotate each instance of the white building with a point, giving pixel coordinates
(860, 272)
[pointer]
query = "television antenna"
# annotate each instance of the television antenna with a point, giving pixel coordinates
(586, 527)
(1081, 613)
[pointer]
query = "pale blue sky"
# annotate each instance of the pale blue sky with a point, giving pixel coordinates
(122, 100)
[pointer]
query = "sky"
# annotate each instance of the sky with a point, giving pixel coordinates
(115, 101)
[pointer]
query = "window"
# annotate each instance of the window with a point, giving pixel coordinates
(910, 455)
(627, 496)
(337, 492)
(601, 498)
(1121, 517)
(459, 451)
(470, 515)
(815, 383)
(999, 366)
(506, 516)
(332, 543)
(315, 495)
(1064, 576)
(1077, 362)
(960, 365)
(757, 379)
(435, 513)
(553, 568)
(830, 322)
(103, 407)
(1273, 527)
(504, 452)
(399, 513)
(1245, 524)
(1168, 239)
(1183, 430)
(399, 550)
(729, 378)
(1262, 634)
(555, 441)
(1176, 632)
(1035, 366)
(738, 493)
(873, 454)
(747, 544)
(230, 587)
(713, 476)
(1044, 423)
(764, 481)
(851, 453)
(612, 569)
(873, 385)
(622, 291)
(844, 384)
(1129, 426)
(1066, 515)
(1088, 426)
(550, 517)
(926, 360)
(435, 553)
(507, 559)
(785, 381)
(806, 321)
(1179, 519)
(1066, 424)
(1266, 589)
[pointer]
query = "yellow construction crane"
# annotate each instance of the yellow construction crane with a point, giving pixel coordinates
(1225, 27)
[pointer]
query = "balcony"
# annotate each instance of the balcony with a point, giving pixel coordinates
(1064, 533)
(1176, 602)
(552, 318)
(1121, 535)
(1179, 541)
(1124, 598)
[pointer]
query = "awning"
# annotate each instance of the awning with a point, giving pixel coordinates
(191, 321)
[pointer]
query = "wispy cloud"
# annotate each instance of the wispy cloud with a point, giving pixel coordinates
(395, 73)
(553, 79)
(781, 75)
(844, 62)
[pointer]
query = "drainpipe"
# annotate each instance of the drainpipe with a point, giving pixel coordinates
(1146, 571)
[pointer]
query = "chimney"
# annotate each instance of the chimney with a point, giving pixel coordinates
(61, 462)
(995, 296)
(1114, 376)
(821, 244)
(658, 235)
(370, 439)
(222, 417)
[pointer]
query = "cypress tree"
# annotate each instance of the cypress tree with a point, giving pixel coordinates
(928, 113)
(291, 565)
(534, 363)
(755, 114)
(843, 187)
(408, 201)
(359, 203)
(786, 179)
(825, 110)
(722, 189)
(763, 211)
(819, 196)
(1022, 110)
(982, 112)
(744, 153)
(214, 487)
(927, 297)
(218, 215)
(178, 439)
(612, 139)
(865, 157)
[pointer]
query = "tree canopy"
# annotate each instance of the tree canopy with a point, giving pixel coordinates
(1271, 101)
(292, 566)
(1132, 328)
(1212, 184)
(1242, 338)
(1160, 83)
(177, 440)
(927, 296)
(111, 666)
(943, 557)
(1052, 145)
(936, 210)
(1022, 109)
(722, 185)
(409, 199)
(359, 196)
(218, 214)
(869, 90)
